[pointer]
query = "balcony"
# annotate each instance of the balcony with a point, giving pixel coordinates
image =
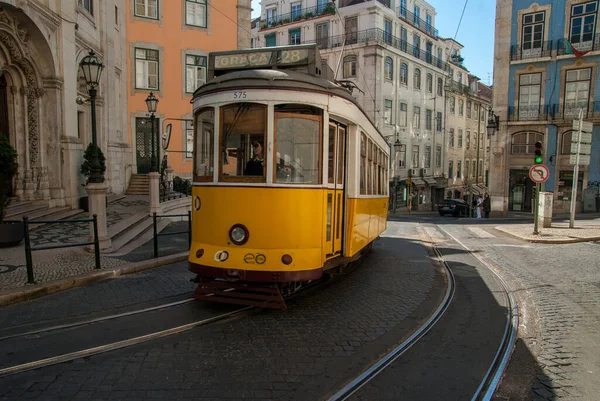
(380, 37)
(458, 87)
(523, 52)
(300, 15)
(554, 112)
(417, 22)
(586, 45)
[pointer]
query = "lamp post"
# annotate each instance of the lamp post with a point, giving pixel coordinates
(151, 103)
(91, 68)
(493, 122)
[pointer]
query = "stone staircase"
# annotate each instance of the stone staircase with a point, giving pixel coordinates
(139, 185)
(17, 210)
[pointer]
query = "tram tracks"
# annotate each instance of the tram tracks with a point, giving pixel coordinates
(493, 374)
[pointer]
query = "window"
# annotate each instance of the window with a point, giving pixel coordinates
(523, 142)
(270, 40)
(458, 170)
(429, 83)
(294, 36)
(146, 69)
(322, 32)
(469, 104)
(565, 185)
(404, 74)
(438, 156)
(533, 33)
(417, 117)
(461, 107)
(80, 124)
(415, 156)
(189, 135)
(450, 169)
(417, 79)
(387, 31)
(296, 10)
(427, 157)
(87, 5)
(242, 139)
(195, 12)
(389, 68)
(452, 105)
(204, 161)
(583, 24)
(350, 67)
(566, 143)
(475, 110)
(403, 39)
(460, 138)
(195, 72)
(387, 112)
(416, 46)
(474, 168)
(428, 25)
(403, 114)
(146, 8)
(440, 87)
(116, 15)
(321, 4)
(468, 140)
(370, 167)
(271, 17)
(529, 96)
(577, 89)
(451, 137)
(402, 156)
(428, 119)
(438, 122)
(467, 165)
(297, 146)
(403, 8)
(480, 172)
(417, 16)
(363, 163)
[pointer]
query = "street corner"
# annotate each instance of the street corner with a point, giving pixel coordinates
(558, 233)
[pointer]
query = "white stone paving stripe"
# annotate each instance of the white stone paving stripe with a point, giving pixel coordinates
(481, 233)
(434, 233)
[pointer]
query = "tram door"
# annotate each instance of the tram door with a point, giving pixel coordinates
(334, 230)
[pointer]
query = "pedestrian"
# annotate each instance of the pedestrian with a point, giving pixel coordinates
(487, 207)
(479, 206)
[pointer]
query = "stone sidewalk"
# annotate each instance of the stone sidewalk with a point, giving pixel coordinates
(558, 233)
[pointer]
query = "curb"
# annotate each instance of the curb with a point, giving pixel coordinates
(549, 241)
(51, 287)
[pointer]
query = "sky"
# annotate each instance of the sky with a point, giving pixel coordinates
(475, 33)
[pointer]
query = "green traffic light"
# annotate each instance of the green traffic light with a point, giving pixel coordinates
(538, 160)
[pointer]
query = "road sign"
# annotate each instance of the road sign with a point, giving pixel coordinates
(539, 173)
(585, 137)
(584, 148)
(584, 160)
(585, 126)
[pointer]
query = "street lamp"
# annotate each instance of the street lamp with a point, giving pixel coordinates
(91, 67)
(151, 103)
(493, 123)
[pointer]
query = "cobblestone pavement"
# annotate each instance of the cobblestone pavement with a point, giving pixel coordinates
(563, 283)
(326, 336)
(119, 292)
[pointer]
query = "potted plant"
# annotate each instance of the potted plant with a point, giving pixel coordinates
(11, 233)
(86, 170)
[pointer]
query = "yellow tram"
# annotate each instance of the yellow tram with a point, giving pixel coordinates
(290, 175)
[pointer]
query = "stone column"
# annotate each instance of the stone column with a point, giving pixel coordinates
(154, 192)
(545, 209)
(97, 205)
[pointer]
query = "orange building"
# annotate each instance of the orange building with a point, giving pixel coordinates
(167, 54)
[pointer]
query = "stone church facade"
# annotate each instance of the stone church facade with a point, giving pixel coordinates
(41, 45)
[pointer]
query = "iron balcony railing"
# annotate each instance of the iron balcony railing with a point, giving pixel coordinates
(591, 43)
(417, 22)
(554, 112)
(456, 86)
(378, 36)
(526, 51)
(294, 16)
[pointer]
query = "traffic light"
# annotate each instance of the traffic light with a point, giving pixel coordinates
(538, 159)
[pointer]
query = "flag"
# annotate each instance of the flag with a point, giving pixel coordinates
(569, 49)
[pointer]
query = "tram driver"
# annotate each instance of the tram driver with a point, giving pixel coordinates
(254, 166)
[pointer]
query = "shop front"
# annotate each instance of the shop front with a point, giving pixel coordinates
(562, 201)
(521, 190)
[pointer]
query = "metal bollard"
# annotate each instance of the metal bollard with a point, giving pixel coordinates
(155, 235)
(189, 229)
(96, 241)
(28, 259)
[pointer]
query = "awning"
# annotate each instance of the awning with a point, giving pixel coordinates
(431, 181)
(417, 182)
(481, 189)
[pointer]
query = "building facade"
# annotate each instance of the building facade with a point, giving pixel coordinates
(41, 45)
(402, 73)
(545, 74)
(167, 52)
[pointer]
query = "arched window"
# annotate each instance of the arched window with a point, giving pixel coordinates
(404, 74)
(350, 67)
(389, 68)
(523, 142)
(429, 83)
(565, 148)
(417, 83)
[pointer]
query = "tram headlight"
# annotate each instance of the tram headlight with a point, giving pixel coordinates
(239, 234)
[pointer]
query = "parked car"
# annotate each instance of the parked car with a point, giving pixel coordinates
(455, 207)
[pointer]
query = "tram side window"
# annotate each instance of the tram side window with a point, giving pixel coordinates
(242, 138)
(297, 145)
(370, 168)
(204, 152)
(363, 163)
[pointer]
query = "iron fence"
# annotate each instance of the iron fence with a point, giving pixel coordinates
(555, 112)
(298, 15)
(156, 234)
(527, 51)
(585, 45)
(416, 21)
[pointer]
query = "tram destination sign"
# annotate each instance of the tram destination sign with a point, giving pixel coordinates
(261, 58)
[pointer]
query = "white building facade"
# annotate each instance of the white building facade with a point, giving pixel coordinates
(402, 72)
